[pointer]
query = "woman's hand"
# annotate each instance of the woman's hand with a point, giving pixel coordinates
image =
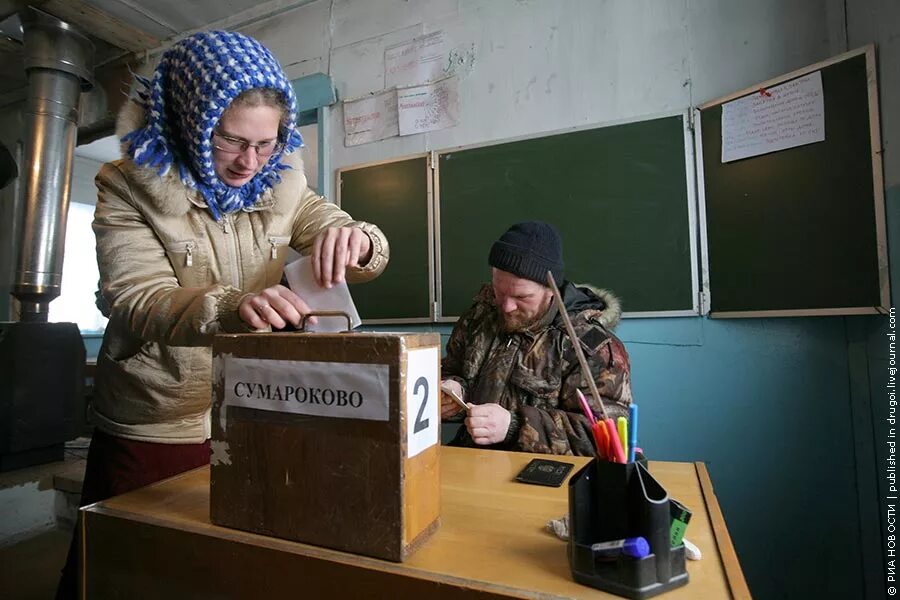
(337, 248)
(275, 306)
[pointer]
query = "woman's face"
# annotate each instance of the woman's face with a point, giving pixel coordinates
(243, 141)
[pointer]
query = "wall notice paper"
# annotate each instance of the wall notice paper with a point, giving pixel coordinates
(325, 389)
(788, 115)
(300, 278)
(370, 119)
(423, 400)
(418, 61)
(428, 107)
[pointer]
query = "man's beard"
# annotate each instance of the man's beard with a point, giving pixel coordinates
(516, 321)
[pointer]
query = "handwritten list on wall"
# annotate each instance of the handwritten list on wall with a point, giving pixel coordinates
(785, 116)
(428, 107)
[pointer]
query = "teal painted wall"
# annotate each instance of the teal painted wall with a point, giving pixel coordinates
(765, 403)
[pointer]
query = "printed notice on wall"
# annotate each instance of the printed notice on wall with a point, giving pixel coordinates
(788, 115)
(423, 399)
(370, 119)
(428, 107)
(324, 389)
(418, 61)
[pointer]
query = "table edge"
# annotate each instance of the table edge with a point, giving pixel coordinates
(733, 572)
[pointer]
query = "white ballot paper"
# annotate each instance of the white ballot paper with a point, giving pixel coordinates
(300, 277)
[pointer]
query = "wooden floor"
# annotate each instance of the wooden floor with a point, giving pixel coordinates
(29, 570)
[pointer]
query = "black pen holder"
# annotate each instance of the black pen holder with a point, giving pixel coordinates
(611, 501)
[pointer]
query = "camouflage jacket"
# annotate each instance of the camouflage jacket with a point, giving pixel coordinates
(534, 373)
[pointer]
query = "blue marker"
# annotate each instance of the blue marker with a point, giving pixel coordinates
(635, 547)
(632, 430)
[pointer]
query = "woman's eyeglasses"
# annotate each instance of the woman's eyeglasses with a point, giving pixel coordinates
(233, 145)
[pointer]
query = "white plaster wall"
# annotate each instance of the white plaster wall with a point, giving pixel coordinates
(548, 65)
(735, 44)
(300, 39)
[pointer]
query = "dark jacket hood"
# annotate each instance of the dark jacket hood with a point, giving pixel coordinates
(580, 297)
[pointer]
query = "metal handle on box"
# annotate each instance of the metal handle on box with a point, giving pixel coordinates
(325, 313)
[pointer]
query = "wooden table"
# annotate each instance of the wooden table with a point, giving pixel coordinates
(158, 542)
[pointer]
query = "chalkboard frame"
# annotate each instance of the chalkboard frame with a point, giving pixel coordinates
(878, 195)
(691, 194)
(430, 203)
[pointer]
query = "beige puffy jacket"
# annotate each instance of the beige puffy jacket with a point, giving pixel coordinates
(173, 278)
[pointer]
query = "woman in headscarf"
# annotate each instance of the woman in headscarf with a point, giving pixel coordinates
(192, 229)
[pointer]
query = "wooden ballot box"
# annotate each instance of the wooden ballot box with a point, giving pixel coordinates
(328, 439)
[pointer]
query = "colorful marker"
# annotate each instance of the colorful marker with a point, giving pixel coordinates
(615, 446)
(601, 438)
(632, 431)
(585, 407)
(635, 547)
(622, 426)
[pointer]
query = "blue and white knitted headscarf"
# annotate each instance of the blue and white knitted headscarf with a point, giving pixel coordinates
(195, 81)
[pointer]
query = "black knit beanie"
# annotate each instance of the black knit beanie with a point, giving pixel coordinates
(529, 250)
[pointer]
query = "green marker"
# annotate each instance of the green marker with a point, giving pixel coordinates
(681, 516)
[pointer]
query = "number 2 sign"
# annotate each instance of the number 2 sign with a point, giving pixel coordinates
(423, 397)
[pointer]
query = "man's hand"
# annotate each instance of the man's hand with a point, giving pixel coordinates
(273, 306)
(488, 423)
(449, 406)
(337, 248)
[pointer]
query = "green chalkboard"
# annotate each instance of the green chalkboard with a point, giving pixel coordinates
(395, 197)
(796, 230)
(617, 194)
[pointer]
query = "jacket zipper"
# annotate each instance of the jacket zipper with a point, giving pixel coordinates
(275, 241)
(233, 251)
(187, 248)
(509, 342)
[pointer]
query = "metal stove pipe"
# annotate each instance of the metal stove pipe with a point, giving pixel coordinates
(59, 62)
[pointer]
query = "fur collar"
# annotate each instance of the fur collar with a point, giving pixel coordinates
(170, 196)
(610, 316)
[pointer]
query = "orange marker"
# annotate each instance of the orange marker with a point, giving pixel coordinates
(601, 438)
